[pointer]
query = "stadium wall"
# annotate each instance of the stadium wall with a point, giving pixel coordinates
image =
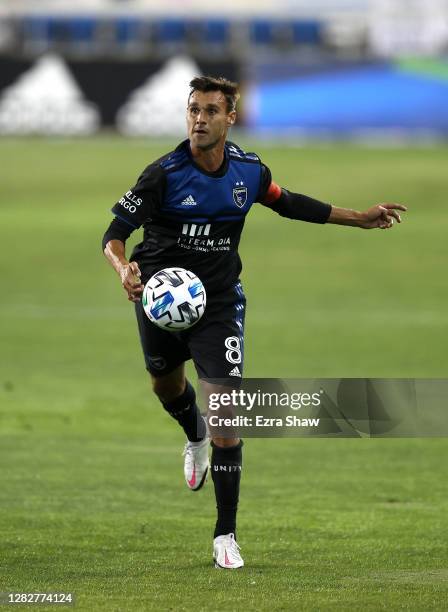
(329, 99)
(333, 74)
(55, 96)
(407, 96)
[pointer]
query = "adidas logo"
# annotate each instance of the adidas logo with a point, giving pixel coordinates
(235, 371)
(189, 201)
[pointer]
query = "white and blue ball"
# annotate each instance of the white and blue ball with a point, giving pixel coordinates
(174, 299)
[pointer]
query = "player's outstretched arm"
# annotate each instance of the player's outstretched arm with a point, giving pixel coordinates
(379, 216)
(301, 207)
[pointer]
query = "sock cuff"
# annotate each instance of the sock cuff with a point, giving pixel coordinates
(226, 448)
(227, 452)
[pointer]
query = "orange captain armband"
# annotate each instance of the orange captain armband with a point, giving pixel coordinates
(273, 193)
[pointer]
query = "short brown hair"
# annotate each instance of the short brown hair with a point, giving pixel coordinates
(208, 83)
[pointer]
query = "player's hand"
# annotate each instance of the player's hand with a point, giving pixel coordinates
(130, 279)
(382, 216)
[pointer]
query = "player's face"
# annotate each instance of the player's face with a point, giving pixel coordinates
(208, 119)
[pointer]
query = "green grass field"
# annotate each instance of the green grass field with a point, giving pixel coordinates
(92, 498)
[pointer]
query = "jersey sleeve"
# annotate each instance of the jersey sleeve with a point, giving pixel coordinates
(140, 202)
(288, 204)
(117, 230)
(265, 183)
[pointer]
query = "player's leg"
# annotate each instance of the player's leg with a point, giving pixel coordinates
(165, 354)
(217, 350)
(226, 467)
(179, 399)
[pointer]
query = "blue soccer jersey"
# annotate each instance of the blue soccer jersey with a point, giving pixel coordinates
(193, 218)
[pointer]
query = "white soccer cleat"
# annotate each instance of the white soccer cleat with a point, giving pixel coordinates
(196, 464)
(226, 552)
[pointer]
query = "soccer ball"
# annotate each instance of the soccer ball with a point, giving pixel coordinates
(174, 299)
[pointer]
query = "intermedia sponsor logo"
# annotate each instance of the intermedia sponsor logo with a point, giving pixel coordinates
(194, 230)
(196, 237)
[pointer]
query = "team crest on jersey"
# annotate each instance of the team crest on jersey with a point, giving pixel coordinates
(240, 194)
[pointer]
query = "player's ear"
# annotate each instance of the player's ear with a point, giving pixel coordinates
(231, 118)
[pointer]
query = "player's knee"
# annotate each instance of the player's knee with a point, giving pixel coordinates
(167, 389)
(225, 442)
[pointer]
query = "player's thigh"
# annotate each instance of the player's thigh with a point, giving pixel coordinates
(217, 344)
(163, 351)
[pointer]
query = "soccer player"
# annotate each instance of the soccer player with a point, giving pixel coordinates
(192, 204)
